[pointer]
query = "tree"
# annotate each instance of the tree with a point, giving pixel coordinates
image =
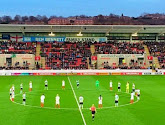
(17, 18)
(25, 18)
(6, 19)
(45, 19)
(32, 19)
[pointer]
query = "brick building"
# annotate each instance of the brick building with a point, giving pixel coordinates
(84, 21)
(59, 21)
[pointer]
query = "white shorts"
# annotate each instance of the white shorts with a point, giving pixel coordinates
(42, 102)
(100, 102)
(57, 102)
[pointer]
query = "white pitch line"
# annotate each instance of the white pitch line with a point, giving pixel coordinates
(70, 108)
(77, 101)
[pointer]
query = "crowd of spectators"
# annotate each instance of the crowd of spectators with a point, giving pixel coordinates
(132, 65)
(75, 55)
(157, 49)
(119, 48)
(13, 47)
(66, 55)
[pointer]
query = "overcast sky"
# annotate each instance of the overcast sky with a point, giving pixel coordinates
(75, 7)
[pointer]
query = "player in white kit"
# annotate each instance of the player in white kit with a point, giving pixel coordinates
(11, 90)
(81, 99)
(24, 98)
(110, 84)
(100, 105)
(119, 87)
(137, 91)
(12, 96)
(133, 87)
(30, 86)
(132, 97)
(42, 100)
(46, 84)
(63, 84)
(57, 98)
(116, 100)
(21, 88)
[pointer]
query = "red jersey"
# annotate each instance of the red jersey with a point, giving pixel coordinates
(93, 108)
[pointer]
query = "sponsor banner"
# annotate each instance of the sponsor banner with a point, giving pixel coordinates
(146, 73)
(88, 73)
(108, 56)
(62, 39)
(61, 74)
(6, 36)
(157, 73)
(161, 37)
(150, 57)
(70, 74)
(43, 39)
(8, 74)
(19, 74)
(104, 73)
(131, 73)
(42, 74)
(164, 73)
(115, 73)
(143, 37)
(94, 57)
(98, 39)
(45, 74)
(5, 74)
(37, 57)
(119, 38)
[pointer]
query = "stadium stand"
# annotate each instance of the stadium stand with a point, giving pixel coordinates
(11, 47)
(66, 55)
(77, 55)
(157, 49)
(119, 48)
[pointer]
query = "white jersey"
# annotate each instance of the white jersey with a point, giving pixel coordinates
(63, 83)
(116, 97)
(137, 91)
(132, 96)
(46, 82)
(133, 86)
(21, 85)
(110, 84)
(81, 99)
(24, 96)
(100, 100)
(30, 85)
(57, 100)
(42, 98)
(13, 95)
(13, 88)
(119, 84)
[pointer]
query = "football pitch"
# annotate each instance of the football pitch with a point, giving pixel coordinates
(148, 111)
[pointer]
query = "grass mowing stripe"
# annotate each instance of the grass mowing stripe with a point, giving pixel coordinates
(77, 101)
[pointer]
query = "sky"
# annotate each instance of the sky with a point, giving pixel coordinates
(67, 8)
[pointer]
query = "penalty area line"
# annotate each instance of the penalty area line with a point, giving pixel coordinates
(77, 101)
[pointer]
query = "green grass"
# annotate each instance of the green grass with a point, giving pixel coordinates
(148, 111)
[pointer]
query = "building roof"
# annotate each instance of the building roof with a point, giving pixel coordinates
(157, 29)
